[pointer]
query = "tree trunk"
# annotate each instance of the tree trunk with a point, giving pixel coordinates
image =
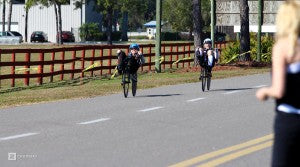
(56, 23)
(109, 26)
(115, 20)
(3, 15)
(245, 36)
(125, 26)
(60, 42)
(26, 25)
(197, 21)
(191, 34)
(9, 15)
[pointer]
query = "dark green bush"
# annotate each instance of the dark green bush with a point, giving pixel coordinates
(116, 36)
(230, 53)
(170, 36)
(89, 31)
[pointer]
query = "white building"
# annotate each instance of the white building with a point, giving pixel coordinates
(41, 18)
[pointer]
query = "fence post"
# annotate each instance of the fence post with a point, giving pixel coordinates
(177, 56)
(82, 62)
(142, 50)
(73, 63)
(171, 56)
(101, 61)
(62, 66)
(41, 69)
(13, 68)
(149, 58)
(183, 56)
(109, 60)
(27, 67)
(0, 69)
(52, 66)
(189, 49)
(92, 62)
(164, 57)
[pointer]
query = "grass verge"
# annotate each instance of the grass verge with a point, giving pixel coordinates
(95, 86)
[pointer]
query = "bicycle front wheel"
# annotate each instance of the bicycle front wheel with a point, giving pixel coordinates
(203, 78)
(134, 87)
(125, 83)
(208, 80)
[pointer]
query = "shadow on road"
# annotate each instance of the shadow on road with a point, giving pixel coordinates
(162, 95)
(228, 90)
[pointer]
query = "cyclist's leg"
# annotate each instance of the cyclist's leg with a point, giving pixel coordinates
(134, 77)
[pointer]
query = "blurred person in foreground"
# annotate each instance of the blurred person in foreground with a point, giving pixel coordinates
(285, 86)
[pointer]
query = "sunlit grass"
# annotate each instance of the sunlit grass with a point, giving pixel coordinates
(99, 86)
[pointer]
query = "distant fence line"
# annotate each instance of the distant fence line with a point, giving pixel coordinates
(42, 63)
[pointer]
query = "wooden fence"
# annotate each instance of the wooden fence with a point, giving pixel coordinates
(25, 64)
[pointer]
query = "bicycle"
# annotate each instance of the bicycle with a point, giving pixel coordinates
(205, 77)
(126, 77)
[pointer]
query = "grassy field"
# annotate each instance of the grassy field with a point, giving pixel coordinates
(96, 86)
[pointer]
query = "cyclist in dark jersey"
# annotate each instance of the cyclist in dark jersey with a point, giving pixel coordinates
(207, 56)
(135, 59)
(285, 86)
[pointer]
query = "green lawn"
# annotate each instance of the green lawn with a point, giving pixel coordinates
(96, 86)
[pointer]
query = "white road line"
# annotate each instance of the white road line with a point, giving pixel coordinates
(259, 86)
(235, 91)
(150, 109)
(93, 121)
(197, 99)
(17, 136)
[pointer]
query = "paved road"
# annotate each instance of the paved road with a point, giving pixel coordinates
(164, 126)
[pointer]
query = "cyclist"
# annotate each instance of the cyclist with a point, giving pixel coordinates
(134, 59)
(207, 56)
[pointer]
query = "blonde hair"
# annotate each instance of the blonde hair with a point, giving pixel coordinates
(288, 24)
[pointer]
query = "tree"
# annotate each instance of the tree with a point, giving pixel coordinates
(132, 16)
(245, 36)
(28, 5)
(178, 13)
(57, 8)
(3, 15)
(10, 5)
(106, 8)
(197, 22)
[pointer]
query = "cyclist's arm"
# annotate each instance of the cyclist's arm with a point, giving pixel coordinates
(141, 58)
(216, 53)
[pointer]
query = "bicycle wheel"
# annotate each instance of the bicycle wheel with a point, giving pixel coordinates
(134, 87)
(208, 80)
(125, 83)
(203, 78)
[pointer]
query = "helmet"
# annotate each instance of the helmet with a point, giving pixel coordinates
(207, 41)
(134, 46)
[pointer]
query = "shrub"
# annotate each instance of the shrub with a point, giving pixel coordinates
(230, 54)
(170, 36)
(89, 31)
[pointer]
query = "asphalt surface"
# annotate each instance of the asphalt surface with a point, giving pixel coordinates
(159, 127)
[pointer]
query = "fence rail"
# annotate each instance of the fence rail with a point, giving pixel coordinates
(59, 62)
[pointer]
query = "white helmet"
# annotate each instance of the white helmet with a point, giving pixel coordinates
(207, 41)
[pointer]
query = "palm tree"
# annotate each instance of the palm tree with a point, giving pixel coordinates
(197, 21)
(3, 15)
(10, 3)
(245, 36)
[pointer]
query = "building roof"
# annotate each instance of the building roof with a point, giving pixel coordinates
(152, 24)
